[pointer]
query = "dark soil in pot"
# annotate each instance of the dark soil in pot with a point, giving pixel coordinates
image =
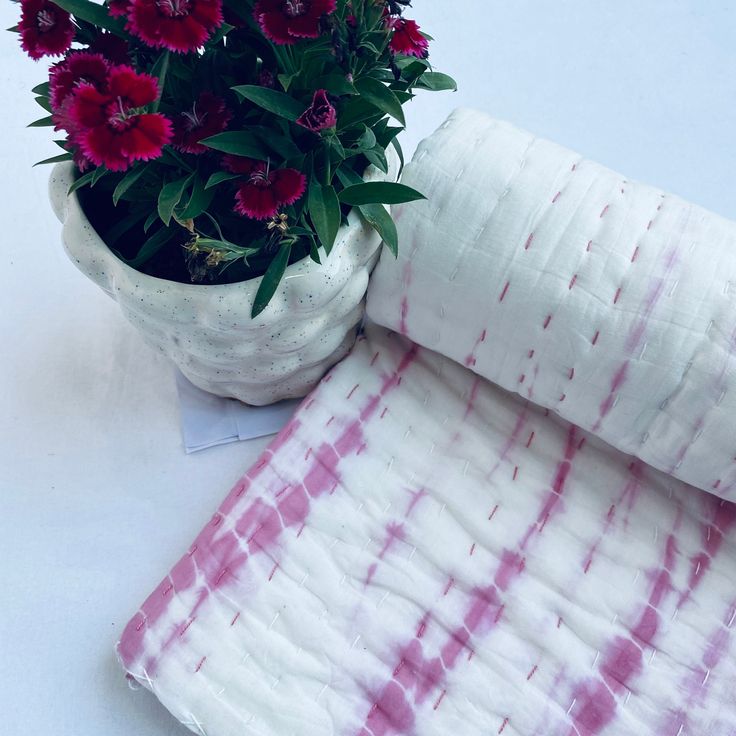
(173, 261)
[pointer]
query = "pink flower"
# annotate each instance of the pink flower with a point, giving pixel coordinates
(45, 29)
(79, 67)
(265, 191)
(320, 114)
(178, 25)
(118, 8)
(111, 128)
(207, 117)
(81, 161)
(407, 39)
(286, 21)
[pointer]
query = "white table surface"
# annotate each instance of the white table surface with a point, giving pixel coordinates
(97, 497)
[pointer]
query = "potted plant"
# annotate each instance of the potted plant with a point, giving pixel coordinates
(225, 168)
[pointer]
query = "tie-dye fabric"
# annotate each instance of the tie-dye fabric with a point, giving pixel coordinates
(602, 299)
(421, 552)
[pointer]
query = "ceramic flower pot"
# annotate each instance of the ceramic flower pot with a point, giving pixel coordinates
(309, 325)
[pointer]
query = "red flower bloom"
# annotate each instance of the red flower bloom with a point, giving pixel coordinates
(207, 117)
(118, 8)
(112, 130)
(265, 192)
(286, 21)
(45, 29)
(320, 114)
(81, 161)
(178, 25)
(407, 39)
(79, 67)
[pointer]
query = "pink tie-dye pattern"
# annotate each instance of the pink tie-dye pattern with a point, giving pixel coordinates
(595, 699)
(392, 711)
(259, 527)
(636, 335)
(423, 671)
(696, 684)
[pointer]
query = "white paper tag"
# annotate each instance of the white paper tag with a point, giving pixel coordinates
(208, 421)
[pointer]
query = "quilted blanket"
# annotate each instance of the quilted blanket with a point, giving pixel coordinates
(507, 511)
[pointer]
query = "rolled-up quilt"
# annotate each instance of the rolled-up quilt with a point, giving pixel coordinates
(602, 299)
(421, 552)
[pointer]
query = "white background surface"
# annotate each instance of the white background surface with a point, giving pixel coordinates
(97, 497)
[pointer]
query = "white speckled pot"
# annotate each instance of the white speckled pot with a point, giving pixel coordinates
(310, 324)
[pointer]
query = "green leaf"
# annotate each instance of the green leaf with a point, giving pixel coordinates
(171, 157)
(412, 71)
(153, 217)
(93, 13)
(98, 173)
(400, 152)
(44, 103)
(371, 47)
(324, 209)
(199, 201)
(380, 220)
(314, 251)
(55, 159)
(348, 177)
(286, 80)
(367, 140)
(336, 84)
(152, 246)
(42, 122)
(81, 181)
(336, 146)
(377, 156)
(159, 70)
(378, 94)
(280, 144)
(272, 100)
(383, 75)
(170, 196)
(386, 133)
(379, 192)
(127, 182)
(437, 82)
(238, 142)
(271, 280)
(42, 89)
(358, 111)
(271, 139)
(402, 95)
(218, 177)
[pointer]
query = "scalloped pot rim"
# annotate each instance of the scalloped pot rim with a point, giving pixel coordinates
(62, 177)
